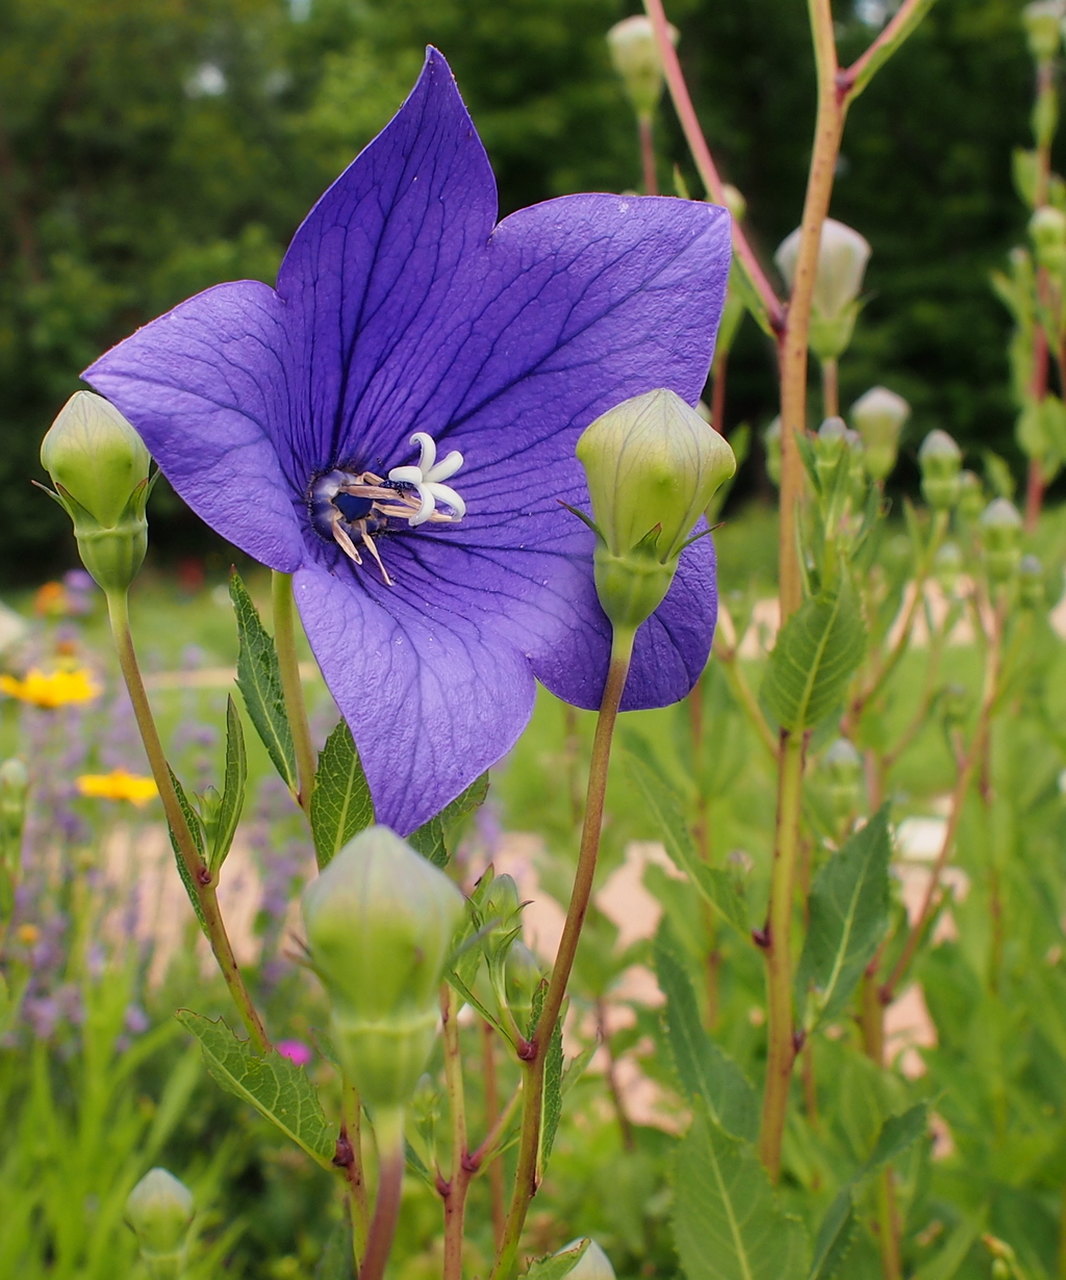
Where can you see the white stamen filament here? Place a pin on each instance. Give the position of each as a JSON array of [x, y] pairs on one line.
[[427, 480]]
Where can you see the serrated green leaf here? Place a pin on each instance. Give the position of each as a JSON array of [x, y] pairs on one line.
[[848, 909], [835, 1237], [817, 651], [259, 680], [340, 803], [234, 784], [702, 1068], [433, 838], [192, 821], [664, 807], [728, 1222], [553, 1095], [277, 1088], [558, 1265]]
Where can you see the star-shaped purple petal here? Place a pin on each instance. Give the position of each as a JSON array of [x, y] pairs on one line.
[[402, 308]]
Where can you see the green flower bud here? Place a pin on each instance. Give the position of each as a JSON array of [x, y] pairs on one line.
[[878, 416], [593, 1263], [524, 974], [1032, 589], [771, 440], [842, 258], [100, 468], [1043, 28], [733, 199], [947, 565], [940, 460], [653, 465], [1047, 228], [380, 921], [159, 1210], [971, 495], [1001, 538], [635, 56]]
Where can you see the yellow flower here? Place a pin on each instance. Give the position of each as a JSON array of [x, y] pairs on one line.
[[28, 934], [118, 785], [52, 688]]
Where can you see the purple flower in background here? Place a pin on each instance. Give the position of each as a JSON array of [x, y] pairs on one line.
[[295, 1050], [395, 426]]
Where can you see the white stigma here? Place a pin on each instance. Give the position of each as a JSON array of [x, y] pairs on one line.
[[427, 480]]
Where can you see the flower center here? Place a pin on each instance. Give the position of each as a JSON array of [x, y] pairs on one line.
[[350, 508]]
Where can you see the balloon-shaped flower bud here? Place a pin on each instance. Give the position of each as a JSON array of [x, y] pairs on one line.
[[1043, 28], [1047, 229], [830, 446], [380, 922], [878, 417], [653, 465], [971, 496], [593, 1264], [842, 258], [947, 566], [159, 1210], [635, 55], [100, 468], [1001, 538], [842, 770], [940, 460]]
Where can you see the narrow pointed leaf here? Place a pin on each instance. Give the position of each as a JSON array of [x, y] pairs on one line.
[[728, 1222], [259, 681], [233, 790], [340, 803], [703, 1070], [816, 654], [848, 917], [557, 1265], [192, 821], [434, 839], [664, 807], [277, 1088]]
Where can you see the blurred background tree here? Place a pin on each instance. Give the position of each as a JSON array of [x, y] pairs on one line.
[[150, 150]]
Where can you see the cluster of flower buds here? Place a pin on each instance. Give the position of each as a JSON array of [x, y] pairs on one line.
[[100, 468], [842, 258], [653, 466], [380, 923], [159, 1210], [635, 55], [1001, 540]]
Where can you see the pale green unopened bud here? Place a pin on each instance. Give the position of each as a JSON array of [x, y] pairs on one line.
[[1043, 28], [878, 416], [947, 566], [830, 446], [159, 1210], [1032, 589], [733, 199], [1047, 228], [100, 468], [653, 465], [380, 921], [1001, 538], [771, 439], [593, 1263], [940, 460], [635, 55], [842, 258]]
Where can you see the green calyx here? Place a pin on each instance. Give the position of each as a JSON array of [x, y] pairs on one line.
[[100, 468], [653, 465]]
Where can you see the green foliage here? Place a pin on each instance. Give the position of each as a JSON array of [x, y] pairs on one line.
[[341, 804], [558, 1265], [259, 681], [278, 1089]]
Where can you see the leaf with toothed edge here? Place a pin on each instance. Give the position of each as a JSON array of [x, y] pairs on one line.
[[341, 805]]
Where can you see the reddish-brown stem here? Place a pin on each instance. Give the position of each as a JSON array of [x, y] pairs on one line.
[[647, 155]]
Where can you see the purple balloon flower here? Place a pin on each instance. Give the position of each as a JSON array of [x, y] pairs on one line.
[[395, 424]]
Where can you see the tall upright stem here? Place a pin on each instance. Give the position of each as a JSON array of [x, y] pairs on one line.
[[647, 155], [535, 1055], [388, 1126], [291, 685], [198, 876]]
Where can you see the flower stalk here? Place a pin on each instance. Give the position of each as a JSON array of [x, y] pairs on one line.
[[535, 1052], [198, 875], [284, 609]]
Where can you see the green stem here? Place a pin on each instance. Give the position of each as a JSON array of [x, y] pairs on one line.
[[778, 942], [830, 388], [198, 876], [284, 608], [536, 1055], [647, 155], [454, 1190], [351, 1161], [388, 1126]]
